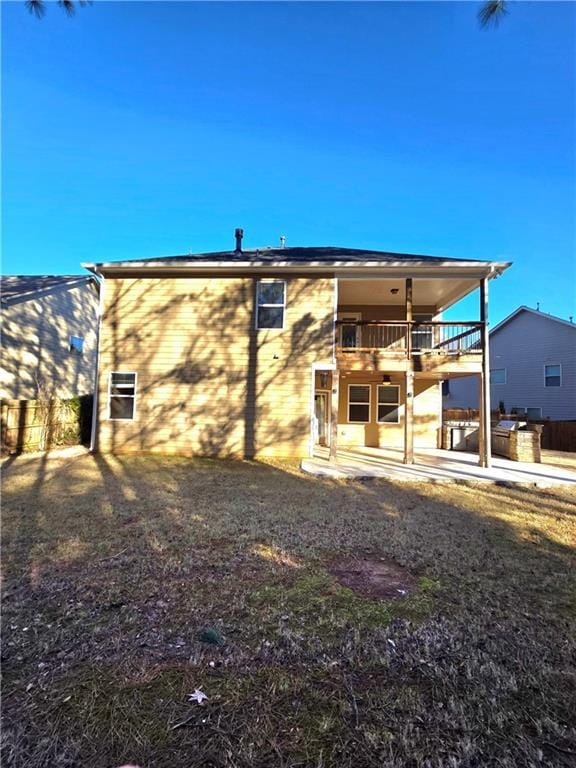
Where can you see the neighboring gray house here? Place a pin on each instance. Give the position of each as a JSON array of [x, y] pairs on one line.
[[532, 368], [49, 336]]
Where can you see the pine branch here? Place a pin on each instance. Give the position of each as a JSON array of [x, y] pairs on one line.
[[492, 12]]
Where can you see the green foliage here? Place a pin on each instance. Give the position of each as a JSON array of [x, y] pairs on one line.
[[210, 636]]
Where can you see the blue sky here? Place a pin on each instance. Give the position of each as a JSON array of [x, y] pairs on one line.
[[145, 129]]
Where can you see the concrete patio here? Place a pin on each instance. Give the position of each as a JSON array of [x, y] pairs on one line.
[[433, 465]]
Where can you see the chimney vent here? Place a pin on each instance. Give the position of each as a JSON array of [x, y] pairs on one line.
[[239, 234], [282, 241]]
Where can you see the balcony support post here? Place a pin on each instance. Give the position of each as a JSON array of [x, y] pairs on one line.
[[408, 299], [485, 436], [334, 399], [409, 415], [409, 382]]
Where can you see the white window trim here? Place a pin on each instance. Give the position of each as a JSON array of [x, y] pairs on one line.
[[283, 305], [369, 404], [397, 404], [549, 365], [499, 383], [524, 409], [130, 373]]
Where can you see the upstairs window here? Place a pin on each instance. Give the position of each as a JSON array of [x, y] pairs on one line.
[[498, 376], [271, 304], [122, 396], [76, 345], [388, 404], [359, 403], [552, 375]]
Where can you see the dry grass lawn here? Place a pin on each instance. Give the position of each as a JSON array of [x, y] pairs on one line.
[[130, 582], [562, 459]]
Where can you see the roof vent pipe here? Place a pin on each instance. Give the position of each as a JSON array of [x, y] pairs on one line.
[[239, 234], [282, 241]]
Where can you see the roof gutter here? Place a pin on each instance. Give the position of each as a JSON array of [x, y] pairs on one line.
[[343, 269]]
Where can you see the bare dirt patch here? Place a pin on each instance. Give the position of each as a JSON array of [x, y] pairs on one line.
[[373, 577]]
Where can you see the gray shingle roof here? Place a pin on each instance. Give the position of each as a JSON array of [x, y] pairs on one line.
[[20, 285], [326, 254]]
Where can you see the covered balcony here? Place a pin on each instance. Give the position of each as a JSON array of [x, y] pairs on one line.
[[383, 324], [393, 348], [432, 345]]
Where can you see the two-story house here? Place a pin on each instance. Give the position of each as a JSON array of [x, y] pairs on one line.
[[271, 352], [532, 368]]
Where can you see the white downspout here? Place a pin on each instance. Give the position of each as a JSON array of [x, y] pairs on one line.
[[93, 431]]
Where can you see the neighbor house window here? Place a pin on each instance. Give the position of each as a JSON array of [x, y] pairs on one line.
[[388, 404], [552, 375], [498, 376], [518, 410], [359, 403], [271, 304], [533, 412], [122, 395], [76, 344]]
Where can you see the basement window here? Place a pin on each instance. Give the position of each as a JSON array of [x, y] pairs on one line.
[[122, 396], [271, 304], [358, 403], [388, 404]]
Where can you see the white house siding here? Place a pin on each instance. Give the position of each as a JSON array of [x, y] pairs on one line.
[[36, 357], [523, 346]]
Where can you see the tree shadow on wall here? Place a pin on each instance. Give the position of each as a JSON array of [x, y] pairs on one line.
[[208, 381]]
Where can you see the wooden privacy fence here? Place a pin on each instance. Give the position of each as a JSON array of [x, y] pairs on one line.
[[559, 435], [37, 425]]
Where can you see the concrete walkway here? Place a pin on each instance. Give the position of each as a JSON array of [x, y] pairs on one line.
[[434, 465]]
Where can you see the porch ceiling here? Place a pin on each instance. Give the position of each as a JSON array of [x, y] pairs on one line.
[[437, 292]]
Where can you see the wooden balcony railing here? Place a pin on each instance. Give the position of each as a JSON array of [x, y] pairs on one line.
[[410, 338]]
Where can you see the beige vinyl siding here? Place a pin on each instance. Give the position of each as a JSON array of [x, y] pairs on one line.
[[427, 419], [209, 383], [36, 358]]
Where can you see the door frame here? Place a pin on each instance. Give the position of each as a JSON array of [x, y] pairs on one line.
[[319, 368], [326, 395]]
